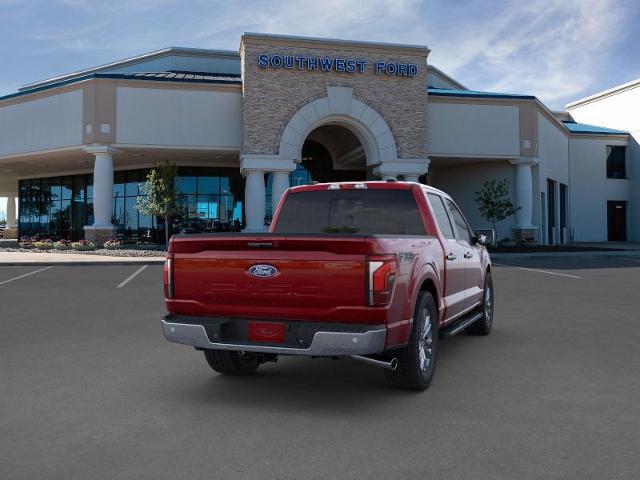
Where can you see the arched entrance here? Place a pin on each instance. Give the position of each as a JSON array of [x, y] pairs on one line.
[[332, 153]]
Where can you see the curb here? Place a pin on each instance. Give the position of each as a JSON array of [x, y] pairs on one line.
[[596, 254]]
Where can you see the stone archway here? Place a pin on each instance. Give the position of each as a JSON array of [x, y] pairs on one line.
[[340, 108]]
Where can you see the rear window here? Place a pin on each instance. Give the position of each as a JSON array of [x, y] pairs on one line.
[[361, 212]]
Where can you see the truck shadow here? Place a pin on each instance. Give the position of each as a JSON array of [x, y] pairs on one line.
[[318, 386]]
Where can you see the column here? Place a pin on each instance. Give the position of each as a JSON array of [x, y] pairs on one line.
[[279, 185], [409, 169], [102, 229], [524, 198], [254, 200], [11, 212], [103, 190]]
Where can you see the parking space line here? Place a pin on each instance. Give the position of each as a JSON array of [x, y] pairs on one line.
[[25, 275], [539, 271], [132, 276]]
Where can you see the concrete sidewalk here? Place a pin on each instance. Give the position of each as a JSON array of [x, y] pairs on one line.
[[33, 258]]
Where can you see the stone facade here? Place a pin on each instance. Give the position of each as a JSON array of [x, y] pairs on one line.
[[272, 96]]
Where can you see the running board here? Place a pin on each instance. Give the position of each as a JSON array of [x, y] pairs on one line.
[[460, 324]]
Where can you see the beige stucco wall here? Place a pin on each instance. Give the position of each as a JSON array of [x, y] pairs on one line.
[[272, 96]]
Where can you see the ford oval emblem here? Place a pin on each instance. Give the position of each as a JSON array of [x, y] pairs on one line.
[[263, 271]]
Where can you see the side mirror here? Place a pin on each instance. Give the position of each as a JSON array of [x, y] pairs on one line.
[[484, 237], [480, 240]]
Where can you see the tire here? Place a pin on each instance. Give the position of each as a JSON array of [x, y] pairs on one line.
[[483, 326], [232, 363], [417, 361]]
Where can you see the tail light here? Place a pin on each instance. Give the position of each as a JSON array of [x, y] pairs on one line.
[[168, 276], [382, 276]]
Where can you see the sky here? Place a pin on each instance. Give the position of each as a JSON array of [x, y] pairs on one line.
[[558, 50]]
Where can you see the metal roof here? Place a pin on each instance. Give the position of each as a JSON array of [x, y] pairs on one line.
[[131, 61], [445, 92], [176, 75], [186, 77], [575, 127]]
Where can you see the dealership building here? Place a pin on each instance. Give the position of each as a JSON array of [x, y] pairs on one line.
[[244, 126]]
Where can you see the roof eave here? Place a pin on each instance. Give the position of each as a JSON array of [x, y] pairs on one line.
[[603, 94]]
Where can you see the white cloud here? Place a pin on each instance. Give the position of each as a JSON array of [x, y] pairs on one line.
[[553, 49]]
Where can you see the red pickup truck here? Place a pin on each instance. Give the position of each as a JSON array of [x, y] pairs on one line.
[[374, 271]]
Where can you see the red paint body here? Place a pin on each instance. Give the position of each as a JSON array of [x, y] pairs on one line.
[[324, 277]]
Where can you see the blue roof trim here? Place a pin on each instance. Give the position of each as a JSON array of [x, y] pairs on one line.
[[226, 79], [575, 127], [445, 92]]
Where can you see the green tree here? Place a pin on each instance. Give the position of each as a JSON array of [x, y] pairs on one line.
[[160, 199], [494, 203]]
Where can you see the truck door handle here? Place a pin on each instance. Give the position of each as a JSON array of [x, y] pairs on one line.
[[468, 255], [451, 256]]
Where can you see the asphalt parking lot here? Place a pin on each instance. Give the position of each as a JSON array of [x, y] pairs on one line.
[[89, 389]]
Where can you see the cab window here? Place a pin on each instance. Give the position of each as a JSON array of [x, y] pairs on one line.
[[462, 229], [441, 215]]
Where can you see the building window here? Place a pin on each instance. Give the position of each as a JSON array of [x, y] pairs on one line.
[[208, 200], [616, 161]]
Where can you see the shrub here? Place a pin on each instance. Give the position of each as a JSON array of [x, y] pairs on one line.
[[43, 244], [83, 245], [26, 242], [62, 245], [112, 244]]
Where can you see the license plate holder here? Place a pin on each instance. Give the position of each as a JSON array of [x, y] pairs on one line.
[[266, 332]]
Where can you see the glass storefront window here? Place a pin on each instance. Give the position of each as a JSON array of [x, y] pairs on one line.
[[208, 200], [186, 185]]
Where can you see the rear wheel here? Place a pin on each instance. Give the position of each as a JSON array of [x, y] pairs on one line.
[[417, 362], [483, 326], [232, 363]]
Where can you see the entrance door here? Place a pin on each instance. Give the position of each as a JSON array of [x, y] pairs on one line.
[[543, 219], [551, 212], [617, 221]]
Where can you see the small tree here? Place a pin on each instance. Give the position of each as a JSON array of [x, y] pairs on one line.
[[160, 193], [494, 203]]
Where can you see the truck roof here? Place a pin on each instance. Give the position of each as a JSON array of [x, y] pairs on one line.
[[373, 184]]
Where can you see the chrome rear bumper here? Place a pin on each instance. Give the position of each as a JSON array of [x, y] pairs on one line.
[[324, 344]]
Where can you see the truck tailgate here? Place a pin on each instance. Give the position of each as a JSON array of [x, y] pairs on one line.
[[318, 278]]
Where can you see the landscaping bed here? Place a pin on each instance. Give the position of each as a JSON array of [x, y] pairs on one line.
[[122, 252], [112, 248]]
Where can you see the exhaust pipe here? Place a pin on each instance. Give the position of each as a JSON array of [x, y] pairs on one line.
[[391, 365]]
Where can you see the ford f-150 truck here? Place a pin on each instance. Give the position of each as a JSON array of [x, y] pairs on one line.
[[374, 271]]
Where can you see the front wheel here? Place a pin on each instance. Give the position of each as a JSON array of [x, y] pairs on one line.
[[232, 363], [483, 326], [417, 362]]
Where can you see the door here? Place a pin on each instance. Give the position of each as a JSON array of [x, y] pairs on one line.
[[474, 277], [617, 221], [551, 212], [455, 272], [543, 219]]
